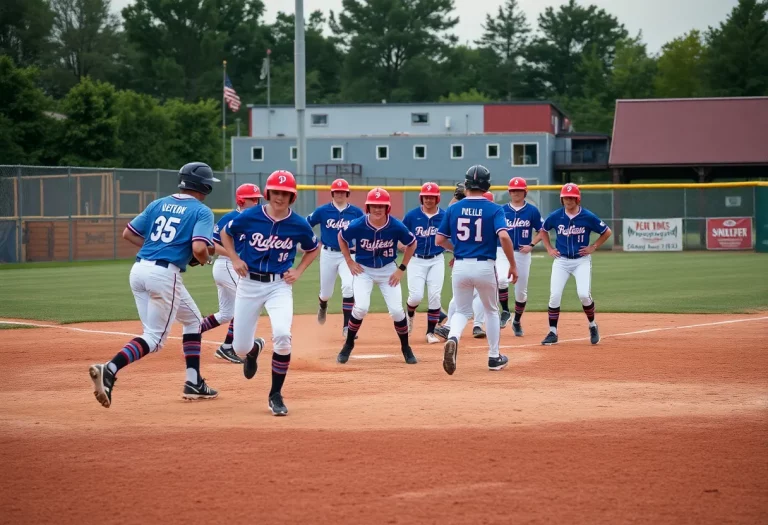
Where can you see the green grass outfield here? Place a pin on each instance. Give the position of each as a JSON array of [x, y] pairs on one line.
[[685, 282]]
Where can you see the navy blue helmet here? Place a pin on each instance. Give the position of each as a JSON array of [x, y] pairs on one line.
[[477, 178], [197, 176]]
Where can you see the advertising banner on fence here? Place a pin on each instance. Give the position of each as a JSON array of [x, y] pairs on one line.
[[729, 233], [653, 235]]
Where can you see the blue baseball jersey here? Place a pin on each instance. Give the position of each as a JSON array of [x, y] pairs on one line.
[[222, 224], [377, 247], [332, 220], [425, 229], [473, 225], [573, 233], [170, 225], [270, 245], [521, 223]]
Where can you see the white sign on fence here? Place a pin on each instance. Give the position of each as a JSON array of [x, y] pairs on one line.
[[653, 235]]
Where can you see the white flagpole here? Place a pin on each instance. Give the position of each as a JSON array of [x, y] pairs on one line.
[[223, 119]]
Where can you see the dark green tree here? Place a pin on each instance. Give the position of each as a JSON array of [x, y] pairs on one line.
[[25, 26], [143, 130], [680, 71], [195, 133]]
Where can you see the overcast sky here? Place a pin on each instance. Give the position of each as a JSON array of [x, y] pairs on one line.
[[659, 20]]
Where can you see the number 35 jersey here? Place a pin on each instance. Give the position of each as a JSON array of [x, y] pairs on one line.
[[170, 225], [473, 224], [377, 247]]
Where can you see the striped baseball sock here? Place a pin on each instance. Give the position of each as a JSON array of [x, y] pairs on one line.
[[504, 298], [554, 316], [443, 315], [519, 309], [411, 309], [191, 347], [590, 311], [401, 327], [230, 333], [280, 364], [354, 326], [323, 304], [433, 317], [346, 307], [208, 323], [134, 350]]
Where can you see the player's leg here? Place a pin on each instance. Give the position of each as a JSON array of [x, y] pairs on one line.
[[560, 274], [463, 290], [417, 278], [393, 297], [583, 275], [487, 290], [280, 309], [347, 291], [478, 312], [523, 263], [445, 329], [435, 278], [191, 319], [249, 301], [226, 285], [328, 267], [363, 286], [502, 271]]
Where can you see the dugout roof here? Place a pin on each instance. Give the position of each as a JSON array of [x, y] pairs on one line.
[[690, 132]]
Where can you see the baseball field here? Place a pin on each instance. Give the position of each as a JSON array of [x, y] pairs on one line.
[[665, 421]]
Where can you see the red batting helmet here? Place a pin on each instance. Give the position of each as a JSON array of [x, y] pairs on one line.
[[281, 180], [488, 195], [570, 190], [517, 183], [340, 185], [429, 189], [378, 196], [246, 191]]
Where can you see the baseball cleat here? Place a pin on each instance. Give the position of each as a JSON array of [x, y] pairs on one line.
[[432, 338], [343, 356], [345, 331], [517, 328], [409, 357], [451, 350], [103, 382], [276, 405], [250, 364], [551, 339], [594, 335], [498, 363], [410, 323], [443, 318], [321, 311], [505, 317], [228, 354], [198, 391], [478, 333], [442, 331]]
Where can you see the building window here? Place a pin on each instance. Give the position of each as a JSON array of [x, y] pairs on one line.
[[337, 152], [319, 119], [294, 152], [419, 118], [491, 151], [420, 152], [525, 154], [382, 152], [257, 154], [457, 151]]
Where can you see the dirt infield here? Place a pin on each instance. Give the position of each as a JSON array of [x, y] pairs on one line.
[[664, 422]]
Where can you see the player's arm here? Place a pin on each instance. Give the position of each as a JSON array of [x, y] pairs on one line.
[[220, 250], [355, 268], [500, 225], [443, 236], [133, 237], [241, 268], [598, 243], [200, 251], [132, 231]]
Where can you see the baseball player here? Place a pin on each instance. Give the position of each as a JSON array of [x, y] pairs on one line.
[[170, 231], [573, 256], [523, 219], [272, 233], [428, 264], [225, 277], [332, 218], [470, 230], [376, 236]]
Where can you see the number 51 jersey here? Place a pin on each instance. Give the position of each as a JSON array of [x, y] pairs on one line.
[[170, 225], [473, 224]]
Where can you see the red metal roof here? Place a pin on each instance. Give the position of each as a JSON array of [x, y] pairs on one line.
[[697, 132]]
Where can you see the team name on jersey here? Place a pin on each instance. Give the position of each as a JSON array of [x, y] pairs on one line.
[[425, 232], [174, 208], [518, 223], [365, 244], [472, 212], [571, 230], [341, 224], [272, 242]]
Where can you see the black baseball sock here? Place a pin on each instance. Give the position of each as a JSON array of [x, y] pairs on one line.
[[280, 364], [519, 309], [354, 326], [134, 350], [401, 327], [504, 298], [433, 317], [346, 308]]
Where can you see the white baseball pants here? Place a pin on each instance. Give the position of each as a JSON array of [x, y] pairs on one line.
[[251, 297], [523, 263], [333, 264], [226, 280], [430, 272], [468, 275], [363, 286], [562, 269]]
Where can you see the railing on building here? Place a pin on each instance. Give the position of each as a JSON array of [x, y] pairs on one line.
[[581, 159], [338, 169]]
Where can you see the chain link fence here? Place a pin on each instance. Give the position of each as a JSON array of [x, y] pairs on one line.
[[74, 213]]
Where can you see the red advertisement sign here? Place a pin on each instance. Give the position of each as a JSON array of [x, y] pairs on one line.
[[730, 233]]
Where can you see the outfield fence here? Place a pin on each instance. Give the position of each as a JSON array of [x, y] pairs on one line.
[[78, 213]]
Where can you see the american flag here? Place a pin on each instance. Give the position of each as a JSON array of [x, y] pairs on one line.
[[230, 96]]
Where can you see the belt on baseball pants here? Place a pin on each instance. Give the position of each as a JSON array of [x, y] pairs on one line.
[[265, 277], [473, 258], [425, 257], [573, 256], [160, 262], [326, 247]]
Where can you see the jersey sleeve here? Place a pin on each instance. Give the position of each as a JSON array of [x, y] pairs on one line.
[[548, 223], [139, 223], [445, 225], [404, 235], [234, 227], [203, 230], [307, 238], [536, 220], [499, 220], [350, 232], [408, 221], [314, 218], [596, 225]]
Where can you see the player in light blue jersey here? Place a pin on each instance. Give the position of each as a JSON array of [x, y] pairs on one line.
[[470, 229], [573, 256], [172, 232], [265, 264]]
